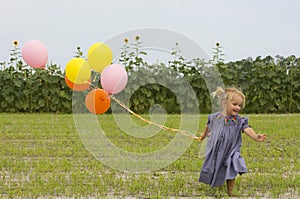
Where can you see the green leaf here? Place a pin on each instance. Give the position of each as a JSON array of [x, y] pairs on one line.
[[41, 102]]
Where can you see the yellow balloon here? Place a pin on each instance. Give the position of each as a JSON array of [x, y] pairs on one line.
[[78, 71], [99, 56]]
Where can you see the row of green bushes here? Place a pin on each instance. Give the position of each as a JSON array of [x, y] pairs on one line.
[[271, 85], [31, 90]]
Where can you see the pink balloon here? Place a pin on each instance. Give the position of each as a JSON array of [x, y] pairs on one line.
[[35, 54], [114, 78]]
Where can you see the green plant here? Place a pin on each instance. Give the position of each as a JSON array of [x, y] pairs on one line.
[[132, 54], [271, 85], [78, 53]]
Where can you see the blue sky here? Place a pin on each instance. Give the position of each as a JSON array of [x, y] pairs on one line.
[[246, 28]]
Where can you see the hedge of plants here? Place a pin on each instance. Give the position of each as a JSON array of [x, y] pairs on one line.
[[271, 84]]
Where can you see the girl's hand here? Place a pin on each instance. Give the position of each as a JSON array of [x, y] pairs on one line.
[[261, 137], [202, 136]]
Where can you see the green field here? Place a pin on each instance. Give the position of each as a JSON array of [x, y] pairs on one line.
[[42, 156]]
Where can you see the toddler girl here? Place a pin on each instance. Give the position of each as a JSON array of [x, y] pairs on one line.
[[223, 131]]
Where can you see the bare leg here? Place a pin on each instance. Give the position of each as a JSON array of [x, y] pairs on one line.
[[230, 185]]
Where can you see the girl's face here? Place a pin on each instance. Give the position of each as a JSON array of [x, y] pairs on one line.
[[234, 106]]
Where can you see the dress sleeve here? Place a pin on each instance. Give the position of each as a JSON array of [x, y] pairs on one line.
[[244, 123], [209, 121]]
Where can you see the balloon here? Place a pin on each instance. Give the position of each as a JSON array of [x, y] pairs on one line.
[[97, 101], [77, 87], [114, 78], [78, 71], [99, 56], [35, 54]]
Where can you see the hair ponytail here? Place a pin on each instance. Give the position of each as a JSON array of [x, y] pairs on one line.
[[219, 92]]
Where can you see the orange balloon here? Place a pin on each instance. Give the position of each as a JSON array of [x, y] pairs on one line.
[[97, 101], [77, 87]]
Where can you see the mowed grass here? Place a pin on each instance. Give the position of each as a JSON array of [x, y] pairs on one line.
[[42, 156]]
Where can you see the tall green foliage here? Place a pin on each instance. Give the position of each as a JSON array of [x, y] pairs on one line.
[[36, 90], [271, 85]]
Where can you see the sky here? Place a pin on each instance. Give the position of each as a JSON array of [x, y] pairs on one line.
[[244, 28]]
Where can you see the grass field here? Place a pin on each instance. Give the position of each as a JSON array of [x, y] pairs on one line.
[[42, 156]]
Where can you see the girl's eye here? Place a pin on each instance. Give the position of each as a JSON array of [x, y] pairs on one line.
[[235, 104]]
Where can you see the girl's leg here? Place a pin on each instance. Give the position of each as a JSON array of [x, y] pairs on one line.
[[230, 185]]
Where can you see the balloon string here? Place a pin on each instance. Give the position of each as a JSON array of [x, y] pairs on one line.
[[183, 132], [165, 128]]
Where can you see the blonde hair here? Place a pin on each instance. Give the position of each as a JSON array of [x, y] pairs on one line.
[[227, 94]]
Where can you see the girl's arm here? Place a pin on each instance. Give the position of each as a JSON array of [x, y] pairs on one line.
[[257, 137], [203, 135]]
